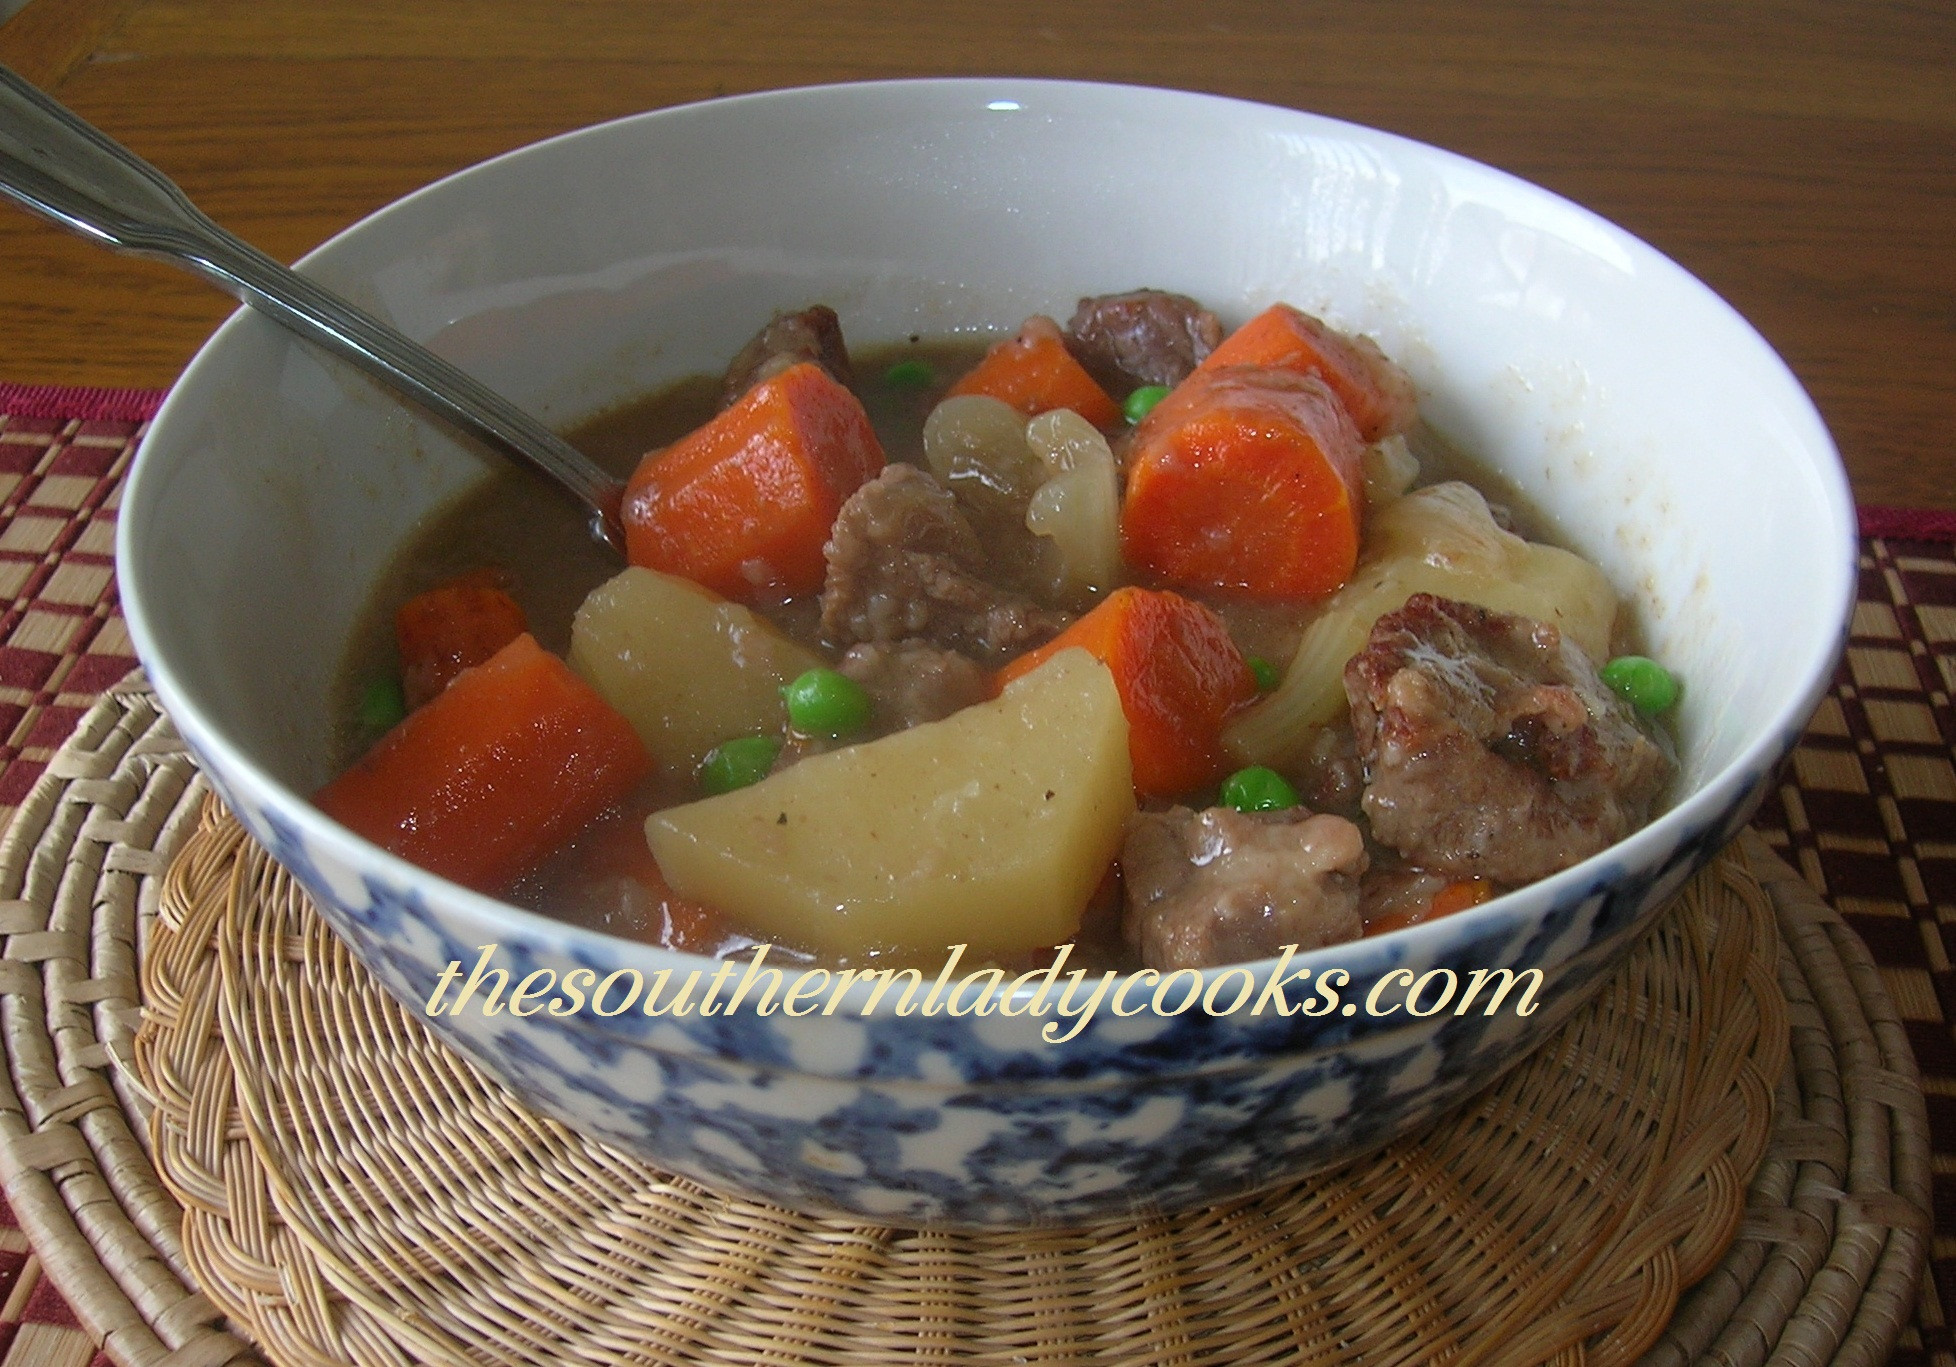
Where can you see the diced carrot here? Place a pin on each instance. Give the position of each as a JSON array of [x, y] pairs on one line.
[[1394, 920], [1460, 895], [1245, 479], [1035, 373], [508, 762], [450, 628], [616, 849], [1378, 394], [1456, 896], [743, 504], [1179, 676], [685, 925]]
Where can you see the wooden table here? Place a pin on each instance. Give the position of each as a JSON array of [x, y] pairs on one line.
[[1799, 157]]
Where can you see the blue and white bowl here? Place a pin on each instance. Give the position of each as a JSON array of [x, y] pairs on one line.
[[1620, 396]]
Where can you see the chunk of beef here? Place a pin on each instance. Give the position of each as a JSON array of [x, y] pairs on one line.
[[1331, 776], [1222, 886], [814, 334], [903, 562], [913, 682], [1491, 747], [1145, 337]]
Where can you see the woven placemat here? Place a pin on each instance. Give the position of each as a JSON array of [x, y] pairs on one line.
[[352, 1192], [81, 868]]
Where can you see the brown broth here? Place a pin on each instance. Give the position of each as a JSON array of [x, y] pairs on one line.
[[513, 521]]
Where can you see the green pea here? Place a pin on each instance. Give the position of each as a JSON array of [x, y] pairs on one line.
[[910, 375], [1643, 683], [1267, 675], [382, 705], [825, 703], [1257, 789], [1142, 400], [738, 763]]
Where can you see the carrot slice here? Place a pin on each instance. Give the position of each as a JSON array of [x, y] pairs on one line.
[[508, 762], [1035, 373], [1179, 676], [1248, 480], [1378, 394], [743, 504], [1455, 896], [615, 850], [1460, 895], [450, 628]]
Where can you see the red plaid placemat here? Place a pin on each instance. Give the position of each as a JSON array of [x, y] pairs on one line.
[[62, 641], [1866, 808], [63, 453]]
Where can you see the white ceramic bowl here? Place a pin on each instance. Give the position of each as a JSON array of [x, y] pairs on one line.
[[1661, 433]]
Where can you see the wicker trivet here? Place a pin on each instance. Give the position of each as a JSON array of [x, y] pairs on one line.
[[352, 1192]]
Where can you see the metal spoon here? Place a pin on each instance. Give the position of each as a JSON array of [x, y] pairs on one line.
[[65, 169]]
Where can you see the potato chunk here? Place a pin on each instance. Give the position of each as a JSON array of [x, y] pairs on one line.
[[688, 668], [989, 829]]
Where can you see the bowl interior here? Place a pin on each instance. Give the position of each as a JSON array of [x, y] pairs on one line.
[[1645, 417]]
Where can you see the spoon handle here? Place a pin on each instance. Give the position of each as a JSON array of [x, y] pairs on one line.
[[63, 168]]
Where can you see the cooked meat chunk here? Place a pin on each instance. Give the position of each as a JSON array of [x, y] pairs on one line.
[[1332, 776], [814, 334], [1145, 337], [913, 682], [1222, 886], [1491, 747], [903, 562]]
